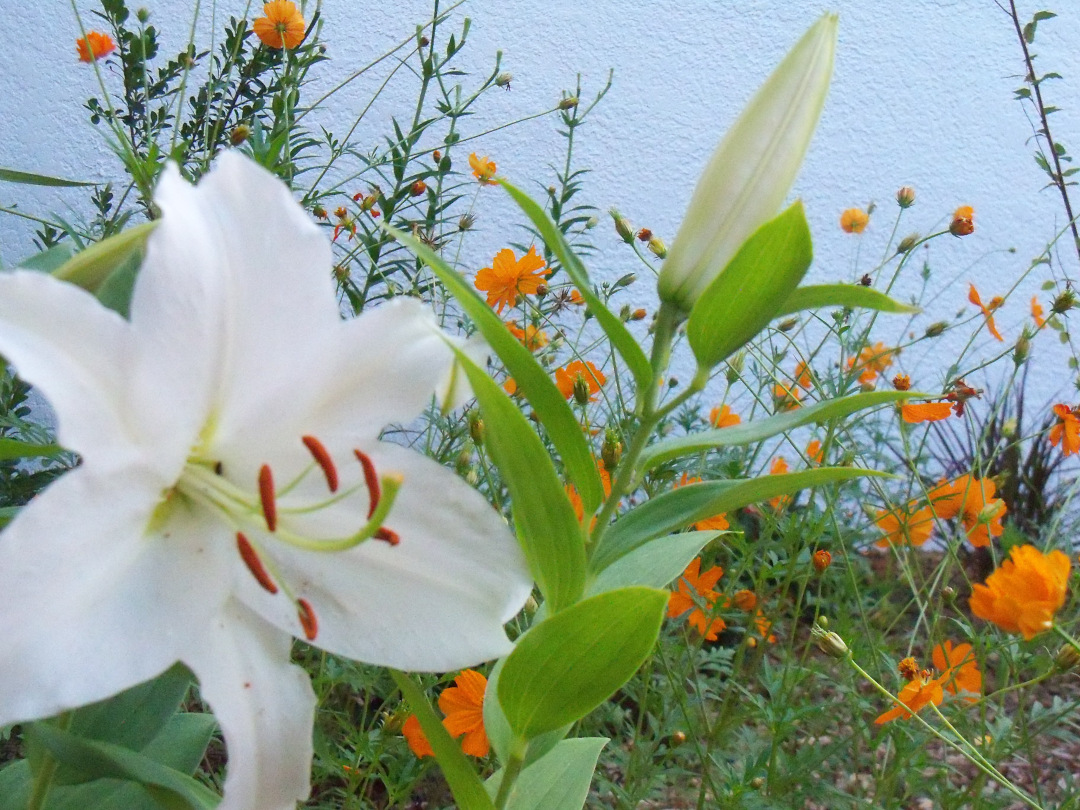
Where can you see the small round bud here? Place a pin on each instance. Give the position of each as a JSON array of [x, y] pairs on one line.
[[948, 593], [658, 248], [568, 103], [624, 313], [418, 188], [319, 212], [541, 290], [463, 461], [905, 197], [436, 156], [907, 243], [678, 737], [623, 227], [821, 560], [935, 329], [963, 222], [644, 235], [673, 382], [830, 643], [504, 79], [581, 390], [1067, 658], [758, 782], [788, 325], [612, 450], [143, 14], [592, 222], [638, 315], [240, 133], [476, 428], [822, 621]]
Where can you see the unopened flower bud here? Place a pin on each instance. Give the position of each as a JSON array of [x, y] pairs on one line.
[[341, 273], [624, 313], [623, 227], [504, 79], [611, 452], [424, 42], [592, 222], [436, 156], [758, 782], [788, 325], [638, 315], [658, 248], [935, 329], [905, 197], [240, 133], [822, 560], [1023, 349], [644, 235], [463, 462], [1064, 302], [829, 643], [963, 222], [678, 737], [948, 593], [476, 428], [581, 390], [673, 382], [418, 188], [1067, 658], [143, 14], [466, 222], [907, 243], [568, 103], [319, 212]]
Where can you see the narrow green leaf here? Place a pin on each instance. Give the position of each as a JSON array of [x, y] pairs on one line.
[[818, 296], [612, 325], [680, 507], [750, 291], [468, 790], [106, 760], [760, 429], [559, 781], [48, 260], [653, 565], [548, 529], [532, 380], [569, 664], [89, 268], [31, 179], [13, 448]]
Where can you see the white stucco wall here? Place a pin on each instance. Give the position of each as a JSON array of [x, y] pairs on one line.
[[922, 95]]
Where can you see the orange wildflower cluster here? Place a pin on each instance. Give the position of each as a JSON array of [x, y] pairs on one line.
[[282, 27], [959, 673], [1067, 430], [854, 220], [1037, 313], [988, 310], [1023, 595], [463, 705], [972, 500], [581, 375], [963, 221], [531, 337], [722, 416], [508, 277], [716, 522], [95, 46], [695, 594], [872, 360], [483, 169]]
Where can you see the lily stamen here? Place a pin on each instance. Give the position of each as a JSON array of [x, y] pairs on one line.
[[390, 485], [322, 458], [266, 497], [254, 563], [371, 478], [308, 620], [388, 535]]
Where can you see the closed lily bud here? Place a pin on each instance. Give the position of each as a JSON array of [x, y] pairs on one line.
[[749, 176]]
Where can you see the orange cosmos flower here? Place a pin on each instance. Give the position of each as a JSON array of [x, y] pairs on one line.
[[901, 382], [854, 220], [963, 221], [1024, 593], [695, 588], [716, 522], [96, 46], [509, 277], [463, 705], [972, 499], [483, 169], [905, 525], [821, 560], [1067, 430], [531, 337], [919, 693], [913, 414], [575, 498], [803, 375], [582, 374], [779, 467], [575, 298], [1037, 312], [814, 452], [722, 417], [960, 670], [786, 396], [744, 600], [282, 27], [987, 310], [872, 360]]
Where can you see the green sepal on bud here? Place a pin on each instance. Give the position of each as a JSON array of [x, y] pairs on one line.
[[829, 642], [623, 227], [476, 428], [611, 452]]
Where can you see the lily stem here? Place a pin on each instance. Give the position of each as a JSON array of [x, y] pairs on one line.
[[46, 772], [510, 775]]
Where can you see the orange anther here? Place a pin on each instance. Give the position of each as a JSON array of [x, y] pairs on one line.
[[322, 458], [371, 479], [266, 496], [307, 619], [389, 535], [254, 564]]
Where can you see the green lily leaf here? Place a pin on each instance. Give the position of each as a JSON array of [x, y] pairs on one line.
[[819, 296]]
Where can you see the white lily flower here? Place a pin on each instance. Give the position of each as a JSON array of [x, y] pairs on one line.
[[233, 492], [751, 172]]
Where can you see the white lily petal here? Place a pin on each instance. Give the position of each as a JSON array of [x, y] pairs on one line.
[[92, 607], [177, 322], [377, 369], [751, 172], [264, 705], [437, 601], [61, 339]]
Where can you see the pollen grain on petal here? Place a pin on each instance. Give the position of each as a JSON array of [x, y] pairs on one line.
[[266, 497], [322, 458], [254, 564]]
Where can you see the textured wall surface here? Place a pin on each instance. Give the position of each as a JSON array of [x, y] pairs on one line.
[[922, 95]]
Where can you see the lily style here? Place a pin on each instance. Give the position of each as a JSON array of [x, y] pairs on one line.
[[232, 492]]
